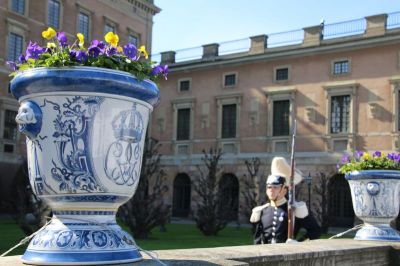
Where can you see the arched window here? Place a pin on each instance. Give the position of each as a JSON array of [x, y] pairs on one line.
[[340, 206], [181, 197], [229, 189]]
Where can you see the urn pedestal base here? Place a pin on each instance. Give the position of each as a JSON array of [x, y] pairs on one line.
[[82, 238], [380, 232]]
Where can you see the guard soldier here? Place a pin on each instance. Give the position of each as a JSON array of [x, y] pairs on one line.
[[272, 218]]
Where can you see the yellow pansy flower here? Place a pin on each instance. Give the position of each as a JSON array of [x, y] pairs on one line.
[[49, 34], [112, 38], [142, 50], [366, 155], [119, 49], [383, 154], [51, 45], [81, 39]]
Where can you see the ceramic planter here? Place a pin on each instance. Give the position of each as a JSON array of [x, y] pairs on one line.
[[85, 132], [376, 200]]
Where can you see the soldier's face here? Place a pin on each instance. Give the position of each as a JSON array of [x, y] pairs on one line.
[[275, 192]]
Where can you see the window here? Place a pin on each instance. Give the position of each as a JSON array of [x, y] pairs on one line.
[[133, 40], [341, 67], [183, 125], [282, 74], [229, 80], [228, 121], [83, 24], [10, 126], [281, 116], [108, 27], [14, 46], [340, 114], [184, 85], [53, 16], [18, 6]]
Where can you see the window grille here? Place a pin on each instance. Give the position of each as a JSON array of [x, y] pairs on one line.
[[230, 80], [10, 126], [54, 14], [183, 126], [83, 24], [18, 6], [14, 46], [341, 67], [282, 74], [281, 115], [340, 113], [229, 121]]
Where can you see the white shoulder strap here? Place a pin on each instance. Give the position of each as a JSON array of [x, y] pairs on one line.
[[256, 213]]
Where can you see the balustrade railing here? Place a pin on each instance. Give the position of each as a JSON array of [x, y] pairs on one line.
[[285, 38], [329, 31], [345, 28], [393, 20]]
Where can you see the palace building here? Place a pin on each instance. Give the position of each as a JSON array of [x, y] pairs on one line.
[[340, 82]]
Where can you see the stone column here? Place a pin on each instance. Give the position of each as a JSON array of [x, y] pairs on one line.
[[168, 57], [258, 44], [210, 51], [312, 36], [376, 25]]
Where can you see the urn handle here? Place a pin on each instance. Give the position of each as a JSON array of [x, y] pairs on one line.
[[29, 119]]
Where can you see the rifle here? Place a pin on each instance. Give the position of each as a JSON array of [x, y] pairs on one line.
[[291, 191]]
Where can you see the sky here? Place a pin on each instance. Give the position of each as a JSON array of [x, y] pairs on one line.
[[185, 24]]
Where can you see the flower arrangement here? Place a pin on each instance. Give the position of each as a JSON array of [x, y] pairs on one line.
[[364, 161], [108, 54]]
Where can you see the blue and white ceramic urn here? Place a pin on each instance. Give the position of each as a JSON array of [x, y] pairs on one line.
[[85, 130], [376, 200]]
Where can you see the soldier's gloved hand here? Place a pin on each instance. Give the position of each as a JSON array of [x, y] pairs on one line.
[[300, 209]]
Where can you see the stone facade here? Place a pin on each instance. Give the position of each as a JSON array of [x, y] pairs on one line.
[[342, 91], [128, 18]]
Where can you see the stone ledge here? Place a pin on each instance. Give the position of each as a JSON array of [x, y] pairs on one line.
[[317, 252]]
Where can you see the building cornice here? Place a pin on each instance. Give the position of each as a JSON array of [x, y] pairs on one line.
[[294, 51]]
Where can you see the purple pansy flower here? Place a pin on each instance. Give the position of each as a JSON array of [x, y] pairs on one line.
[[359, 154], [21, 59], [111, 51], [33, 50], [100, 44], [72, 54], [130, 51], [94, 51], [377, 154], [345, 158], [62, 38], [81, 56], [12, 65], [158, 70]]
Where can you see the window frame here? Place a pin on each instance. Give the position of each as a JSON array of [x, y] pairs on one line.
[[60, 15], [88, 14], [18, 28], [276, 68], [227, 99], [339, 89], [26, 8], [340, 60], [183, 103], [111, 23], [279, 94], [182, 80], [8, 46], [224, 75], [395, 86]]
